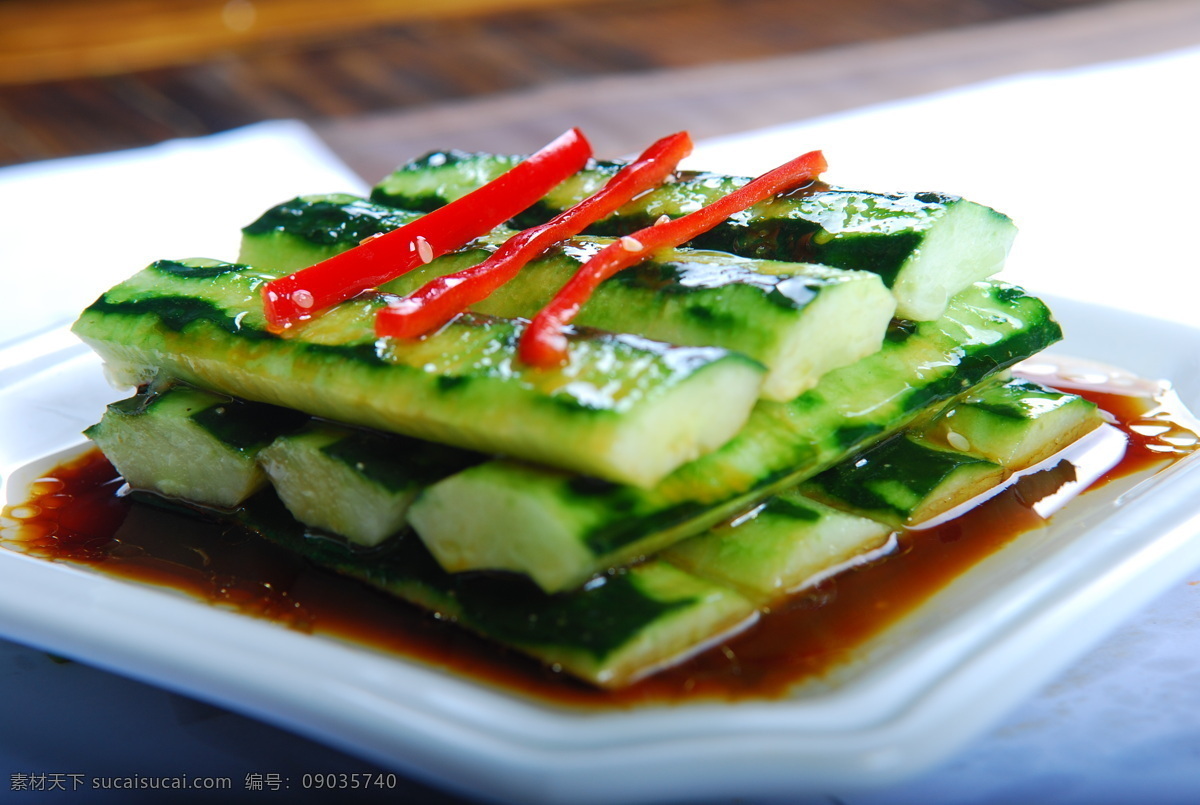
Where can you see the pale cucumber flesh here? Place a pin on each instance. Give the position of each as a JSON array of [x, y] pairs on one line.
[[624, 407], [190, 444], [352, 482]]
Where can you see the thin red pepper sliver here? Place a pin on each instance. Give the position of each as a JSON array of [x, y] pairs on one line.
[[543, 343], [441, 299], [298, 296]]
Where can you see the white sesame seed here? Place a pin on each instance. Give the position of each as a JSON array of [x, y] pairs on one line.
[[957, 440], [631, 244], [303, 299], [662, 219], [370, 238], [424, 250]]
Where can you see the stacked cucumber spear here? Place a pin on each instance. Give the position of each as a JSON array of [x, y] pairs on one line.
[[602, 413]]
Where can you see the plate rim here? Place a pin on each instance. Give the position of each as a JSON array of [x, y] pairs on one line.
[[521, 750]]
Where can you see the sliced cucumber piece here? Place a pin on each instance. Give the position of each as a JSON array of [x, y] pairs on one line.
[[780, 546], [624, 408], [799, 320], [904, 481], [620, 628], [926, 246], [355, 483], [309, 229], [626, 624], [190, 444], [440, 177], [1020, 423], [561, 529], [1016, 424]]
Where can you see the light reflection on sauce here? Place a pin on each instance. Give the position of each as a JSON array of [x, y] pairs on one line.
[[75, 515]]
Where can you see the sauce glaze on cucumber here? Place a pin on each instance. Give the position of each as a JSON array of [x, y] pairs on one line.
[[926, 246], [74, 515], [626, 408], [798, 319]]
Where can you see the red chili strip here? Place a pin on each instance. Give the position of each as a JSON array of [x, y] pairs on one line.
[[298, 296], [543, 343], [441, 299]]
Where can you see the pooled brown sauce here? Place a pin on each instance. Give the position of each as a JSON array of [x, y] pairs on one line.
[[75, 515]]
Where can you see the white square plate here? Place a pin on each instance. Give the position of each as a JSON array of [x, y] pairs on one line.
[[918, 693]]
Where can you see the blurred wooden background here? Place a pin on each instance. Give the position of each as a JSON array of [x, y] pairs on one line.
[[84, 76]]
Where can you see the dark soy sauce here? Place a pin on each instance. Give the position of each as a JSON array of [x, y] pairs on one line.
[[76, 515]]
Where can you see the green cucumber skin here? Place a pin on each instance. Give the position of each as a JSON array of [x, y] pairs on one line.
[[819, 224], [241, 426], [599, 634], [1017, 423], [352, 482], [333, 220], [399, 463], [894, 480], [703, 280], [601, 525], [781, 546], [203, 323], [688, 297], [309, 229], [751, 552], [1022, 401], [212, 442], [248, 427]]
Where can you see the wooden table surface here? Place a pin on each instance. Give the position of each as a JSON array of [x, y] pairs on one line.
[[622, 112], [381, 90]]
